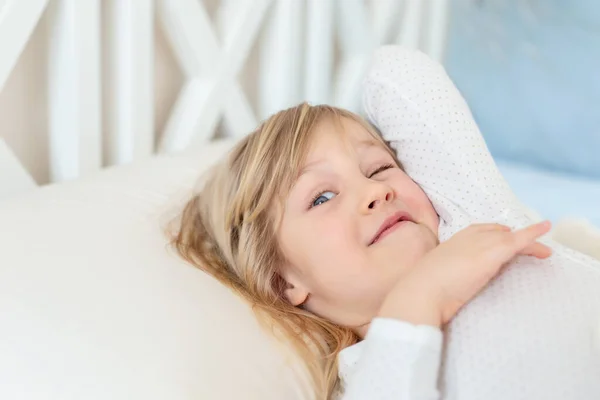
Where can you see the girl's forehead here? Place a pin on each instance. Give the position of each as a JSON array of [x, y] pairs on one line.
[[341, 132]]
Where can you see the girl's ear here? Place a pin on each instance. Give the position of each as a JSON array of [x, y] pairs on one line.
[[295, 291], [295, 294]]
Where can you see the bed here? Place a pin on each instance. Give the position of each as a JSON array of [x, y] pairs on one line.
[[91, 304], [554, 195]]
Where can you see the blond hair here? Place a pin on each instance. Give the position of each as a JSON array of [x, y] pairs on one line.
[[229, 230]]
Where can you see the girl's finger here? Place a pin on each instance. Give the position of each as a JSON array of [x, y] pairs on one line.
[[524, 237], [493, 227], [537, 250]]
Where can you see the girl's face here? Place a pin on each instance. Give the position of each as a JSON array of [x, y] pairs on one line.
[[341, 261]]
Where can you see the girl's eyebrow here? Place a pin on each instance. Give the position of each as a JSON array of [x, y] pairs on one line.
[[368, 143], [309, 166]]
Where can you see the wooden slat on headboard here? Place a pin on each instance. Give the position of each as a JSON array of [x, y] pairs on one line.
[[307, 50], [75, 124]]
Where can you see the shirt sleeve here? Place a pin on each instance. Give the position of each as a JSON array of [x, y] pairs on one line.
[[419, 111], [398, 361]]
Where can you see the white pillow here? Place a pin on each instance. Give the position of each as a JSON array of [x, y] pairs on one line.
[[93, 304]]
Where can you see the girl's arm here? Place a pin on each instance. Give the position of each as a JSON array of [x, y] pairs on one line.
[[417, 108], [396, 361], [400, 356], [399, 359]]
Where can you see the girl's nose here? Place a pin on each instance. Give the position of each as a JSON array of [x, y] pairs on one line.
[[377, 195]]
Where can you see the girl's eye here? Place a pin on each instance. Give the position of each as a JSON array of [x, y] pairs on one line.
[[380, 169], [321, 198]]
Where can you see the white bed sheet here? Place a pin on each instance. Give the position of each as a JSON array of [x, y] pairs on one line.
[[554, 195]]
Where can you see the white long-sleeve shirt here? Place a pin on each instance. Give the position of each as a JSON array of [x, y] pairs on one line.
[[534, 332], [409, 356]]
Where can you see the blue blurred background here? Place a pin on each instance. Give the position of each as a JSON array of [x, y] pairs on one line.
[[530, 71]]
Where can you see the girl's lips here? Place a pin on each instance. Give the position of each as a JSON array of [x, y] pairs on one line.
[[390, 230], [390, 224]]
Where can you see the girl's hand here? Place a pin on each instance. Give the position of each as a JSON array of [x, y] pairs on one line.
[[453, 273]]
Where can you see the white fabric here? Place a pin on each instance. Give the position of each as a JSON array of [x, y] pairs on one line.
[[94, 306], [578, 234], [532, 333]]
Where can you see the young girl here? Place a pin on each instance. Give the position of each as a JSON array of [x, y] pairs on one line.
[[335, 239]]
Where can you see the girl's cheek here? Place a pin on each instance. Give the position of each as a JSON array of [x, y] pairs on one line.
[[414, 199], [413, 195]]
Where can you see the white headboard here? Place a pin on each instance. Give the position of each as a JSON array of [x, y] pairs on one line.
[[314, 50]]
